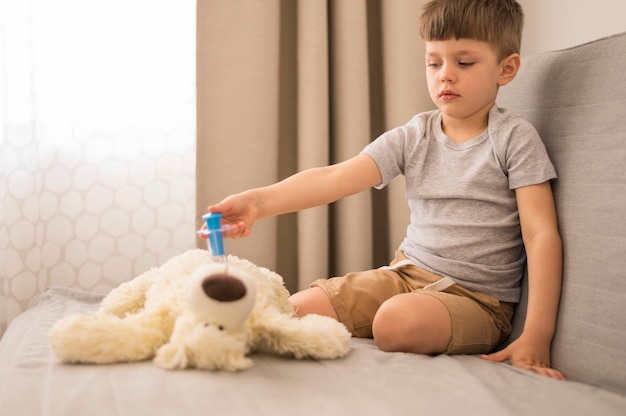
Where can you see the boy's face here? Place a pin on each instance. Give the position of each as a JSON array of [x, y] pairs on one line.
[[463, 79]]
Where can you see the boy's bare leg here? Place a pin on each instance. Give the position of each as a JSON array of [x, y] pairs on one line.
[[412, 322], [312, 300]]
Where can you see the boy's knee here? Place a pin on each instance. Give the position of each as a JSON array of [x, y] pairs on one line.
[[388, 327], [406, 324]]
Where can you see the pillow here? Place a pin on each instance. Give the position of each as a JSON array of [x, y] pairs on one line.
[[576, 98]]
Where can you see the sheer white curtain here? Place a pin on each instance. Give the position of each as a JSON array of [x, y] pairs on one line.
[[97, 142]]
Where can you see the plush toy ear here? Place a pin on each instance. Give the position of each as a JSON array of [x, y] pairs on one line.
[[229, 355], [171, 357], [173, 354], [237, 363]]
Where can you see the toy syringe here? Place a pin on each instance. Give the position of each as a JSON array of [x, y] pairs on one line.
[[214, 235]]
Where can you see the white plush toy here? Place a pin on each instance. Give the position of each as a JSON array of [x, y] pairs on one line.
[[196, 312]]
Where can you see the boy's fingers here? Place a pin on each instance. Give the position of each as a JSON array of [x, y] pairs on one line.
[[496, 356]]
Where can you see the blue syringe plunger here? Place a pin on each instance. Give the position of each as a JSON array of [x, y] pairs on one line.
[[214, 232]]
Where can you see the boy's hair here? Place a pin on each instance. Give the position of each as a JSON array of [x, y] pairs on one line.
[[497, 22]]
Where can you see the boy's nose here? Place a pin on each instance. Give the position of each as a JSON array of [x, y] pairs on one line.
[[446, 74]]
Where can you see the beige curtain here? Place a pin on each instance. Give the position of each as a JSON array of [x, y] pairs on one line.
[[285, 85]]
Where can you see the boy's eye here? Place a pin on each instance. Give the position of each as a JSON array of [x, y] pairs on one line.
[[433, 64], [466, 63]]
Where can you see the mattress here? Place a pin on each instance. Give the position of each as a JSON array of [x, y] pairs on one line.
[[365, 382]]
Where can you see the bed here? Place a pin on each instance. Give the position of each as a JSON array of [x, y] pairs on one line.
[[577, 100], [366, 381]]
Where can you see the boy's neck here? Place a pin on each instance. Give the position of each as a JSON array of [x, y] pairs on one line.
[[462, 130]]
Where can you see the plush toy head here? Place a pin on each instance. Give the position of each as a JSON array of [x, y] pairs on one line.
[[193, 312], [213, 336]]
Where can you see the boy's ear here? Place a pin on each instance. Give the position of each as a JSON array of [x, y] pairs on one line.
[[509, 67]]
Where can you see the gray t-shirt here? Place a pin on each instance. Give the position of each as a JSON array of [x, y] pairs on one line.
[[464, 218]]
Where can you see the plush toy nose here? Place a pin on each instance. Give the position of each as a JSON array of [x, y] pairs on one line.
[[221, 294], [223, 288]]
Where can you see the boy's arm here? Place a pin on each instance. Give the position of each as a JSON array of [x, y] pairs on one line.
[[306, 189], [318, 186], [545, 258]]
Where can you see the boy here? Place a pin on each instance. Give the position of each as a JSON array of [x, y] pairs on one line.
[[478, 186]]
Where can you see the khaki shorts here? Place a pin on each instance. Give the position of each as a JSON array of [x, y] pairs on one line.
[[479, 322]]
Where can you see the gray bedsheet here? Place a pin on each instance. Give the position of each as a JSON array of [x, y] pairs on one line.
[[366, 382]]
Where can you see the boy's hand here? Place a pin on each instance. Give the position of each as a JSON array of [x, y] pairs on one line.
[[527, 354], [238, 212]]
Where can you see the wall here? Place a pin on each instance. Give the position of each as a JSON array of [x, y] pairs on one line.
[[558, 24]]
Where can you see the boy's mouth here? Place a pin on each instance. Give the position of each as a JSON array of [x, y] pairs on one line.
[[448, 95]]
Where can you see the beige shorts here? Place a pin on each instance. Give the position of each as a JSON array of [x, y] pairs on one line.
[[479, 322]]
